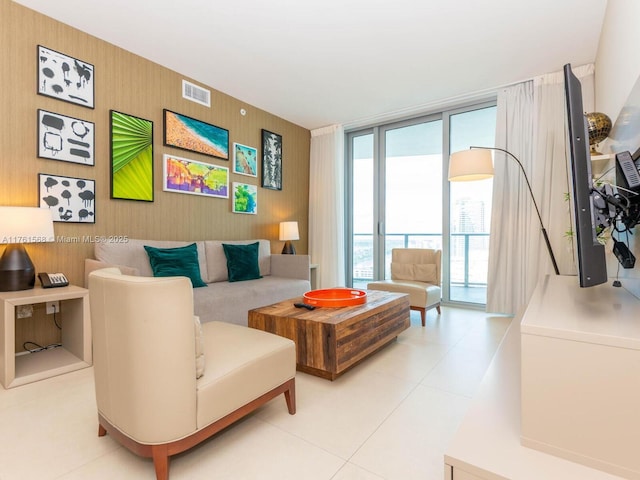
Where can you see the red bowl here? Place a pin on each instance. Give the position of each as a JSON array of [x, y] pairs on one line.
[[335, 297]]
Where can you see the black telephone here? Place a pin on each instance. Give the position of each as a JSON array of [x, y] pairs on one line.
[[50, 280]]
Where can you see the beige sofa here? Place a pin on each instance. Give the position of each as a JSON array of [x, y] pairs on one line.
[[283, 276], [165, 383]]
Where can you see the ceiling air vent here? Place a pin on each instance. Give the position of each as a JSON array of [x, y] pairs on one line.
[[196, 94]]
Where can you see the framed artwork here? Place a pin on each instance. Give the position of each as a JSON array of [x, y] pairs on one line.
[[182, 175], [65, 78], [245, 198], [65, 138], [131, 157], [71, 200], [194, 135], [245, 160], [271, 160]]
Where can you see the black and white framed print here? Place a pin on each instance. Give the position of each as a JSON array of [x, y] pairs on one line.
[[271, 160], [65, 138], [71, 200], [65, 78]]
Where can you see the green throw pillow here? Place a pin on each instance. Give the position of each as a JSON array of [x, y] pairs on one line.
[[176, 262], [242, 261]]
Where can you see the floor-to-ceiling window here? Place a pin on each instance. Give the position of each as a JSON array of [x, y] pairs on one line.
[[362, 215], [399, 197], [470, 210], [412, 187]]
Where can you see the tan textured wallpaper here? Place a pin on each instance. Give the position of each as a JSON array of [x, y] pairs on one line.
[[135, 86]]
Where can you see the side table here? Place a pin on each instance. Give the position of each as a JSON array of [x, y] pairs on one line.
[[75, 352]]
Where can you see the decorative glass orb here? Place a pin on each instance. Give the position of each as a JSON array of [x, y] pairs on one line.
[[599, 127]]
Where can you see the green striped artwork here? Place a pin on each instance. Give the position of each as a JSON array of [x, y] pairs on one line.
[[131, 157]]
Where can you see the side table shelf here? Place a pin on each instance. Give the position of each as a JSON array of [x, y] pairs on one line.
[[75, 352]]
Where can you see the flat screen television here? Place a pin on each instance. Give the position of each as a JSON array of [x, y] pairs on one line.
[[592, 265]]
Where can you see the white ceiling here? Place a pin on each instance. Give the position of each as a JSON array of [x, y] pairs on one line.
[[320, 62]]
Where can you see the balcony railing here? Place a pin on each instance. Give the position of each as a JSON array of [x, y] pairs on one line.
[[468, 253]]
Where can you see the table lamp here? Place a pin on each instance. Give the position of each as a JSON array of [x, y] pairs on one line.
[[476, 164], [20, 225], [288, 232]]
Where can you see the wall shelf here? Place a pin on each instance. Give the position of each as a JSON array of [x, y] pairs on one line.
[[603, 158], [600, 162]]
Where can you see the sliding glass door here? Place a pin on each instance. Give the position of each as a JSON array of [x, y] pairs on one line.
[[399, 196], [470, 210], [362, 214], [396, 201], [410, 195]]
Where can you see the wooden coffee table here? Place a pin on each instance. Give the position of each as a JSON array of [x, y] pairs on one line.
[[331, 340]]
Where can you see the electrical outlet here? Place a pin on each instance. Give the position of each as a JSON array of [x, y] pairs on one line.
[[24, 311], [53, 307]]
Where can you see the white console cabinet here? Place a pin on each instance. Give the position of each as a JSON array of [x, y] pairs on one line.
[[561, 399], [581, 375]]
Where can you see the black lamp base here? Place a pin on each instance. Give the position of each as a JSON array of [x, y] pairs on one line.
[[288, 248], [16, 269]]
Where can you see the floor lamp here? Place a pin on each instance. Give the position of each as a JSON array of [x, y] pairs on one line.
[[476, 164]]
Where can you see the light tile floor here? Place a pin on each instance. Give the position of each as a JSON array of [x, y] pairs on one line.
[[390, 417]]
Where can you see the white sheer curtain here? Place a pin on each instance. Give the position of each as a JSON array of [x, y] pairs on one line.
[[326, 205], [531, 125], [513, 258]]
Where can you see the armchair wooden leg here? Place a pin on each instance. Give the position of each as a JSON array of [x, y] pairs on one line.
[[438, 309], [423, 314], [161, 461], [161, 452], [290, 397]]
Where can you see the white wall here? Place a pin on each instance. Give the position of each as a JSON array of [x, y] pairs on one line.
[[618, 95], [618, 57]]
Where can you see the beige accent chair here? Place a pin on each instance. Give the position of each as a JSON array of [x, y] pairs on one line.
[[148, 350], [415, 271]]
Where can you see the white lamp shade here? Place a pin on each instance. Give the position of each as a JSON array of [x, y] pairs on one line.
[[289, 231], [26, 225], [472, 164]]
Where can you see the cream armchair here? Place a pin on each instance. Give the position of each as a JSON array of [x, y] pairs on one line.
[[415, 271], [148, 351]]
